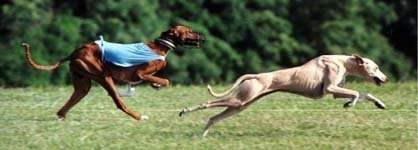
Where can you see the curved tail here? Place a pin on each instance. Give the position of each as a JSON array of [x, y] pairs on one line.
[[36, 65], [237, 82]]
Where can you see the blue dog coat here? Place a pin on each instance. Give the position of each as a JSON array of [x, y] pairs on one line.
[[127, 55]]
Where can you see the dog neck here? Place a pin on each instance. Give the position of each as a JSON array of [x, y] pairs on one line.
[[166, 42], [351, 66], [161, 46], [158, 48]]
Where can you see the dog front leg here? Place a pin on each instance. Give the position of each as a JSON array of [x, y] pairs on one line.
[[155, 81], [148, 72], [339, 92], [376, 101], [108, 84], [217, 118], [334, 76]]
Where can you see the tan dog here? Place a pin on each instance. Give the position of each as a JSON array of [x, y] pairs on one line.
[[87, 64], [318, 77]]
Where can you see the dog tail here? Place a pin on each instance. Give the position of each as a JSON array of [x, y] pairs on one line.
[[236, 84], [38, 66]]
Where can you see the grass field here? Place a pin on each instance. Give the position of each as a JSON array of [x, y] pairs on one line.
[[278, 121]]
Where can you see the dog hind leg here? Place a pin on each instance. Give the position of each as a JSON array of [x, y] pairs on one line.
[[223, 102], [215, 119], [82, 86], [250, 97]]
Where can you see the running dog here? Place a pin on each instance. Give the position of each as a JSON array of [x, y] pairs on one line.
[[105, 62], [316, 78]]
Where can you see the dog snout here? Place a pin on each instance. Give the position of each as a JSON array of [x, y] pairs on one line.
[[379, 80], [200, 36], [197, 36], [385, 79]]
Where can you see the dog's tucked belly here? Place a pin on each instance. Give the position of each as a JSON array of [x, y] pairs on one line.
[[313, 91], [124, 74], [306, 80]]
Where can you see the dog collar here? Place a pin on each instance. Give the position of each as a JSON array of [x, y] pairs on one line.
[[166, 42]]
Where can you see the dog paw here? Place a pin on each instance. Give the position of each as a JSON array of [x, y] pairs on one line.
[[61, 119], [183, 112], [348, 104], [144, 117], [156, 86], [380, 105]]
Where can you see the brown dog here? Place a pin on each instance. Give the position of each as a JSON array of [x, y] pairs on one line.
[[86, 64]]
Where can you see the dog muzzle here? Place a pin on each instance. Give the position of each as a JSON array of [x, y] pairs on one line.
[[194, 43]]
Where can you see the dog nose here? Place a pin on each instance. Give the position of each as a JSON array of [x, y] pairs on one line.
[[200, 36], [385, 80]]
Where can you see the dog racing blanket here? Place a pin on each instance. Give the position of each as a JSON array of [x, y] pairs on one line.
[[127, 55]]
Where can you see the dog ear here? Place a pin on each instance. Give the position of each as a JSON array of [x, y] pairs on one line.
[[358, 59]]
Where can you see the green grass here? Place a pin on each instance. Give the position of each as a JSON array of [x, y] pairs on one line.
[[277, 121]]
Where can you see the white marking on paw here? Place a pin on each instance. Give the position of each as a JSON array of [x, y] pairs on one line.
[[144, 117]]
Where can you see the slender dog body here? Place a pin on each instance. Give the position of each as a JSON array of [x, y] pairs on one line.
[[87, 64], [316, 78]]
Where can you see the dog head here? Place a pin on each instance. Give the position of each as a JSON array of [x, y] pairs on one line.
[[180, 36], [369, 70]]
